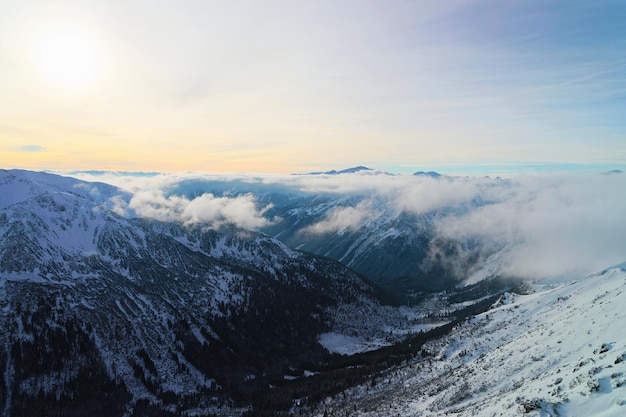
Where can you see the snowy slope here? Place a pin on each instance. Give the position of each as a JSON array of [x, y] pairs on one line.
[[112, 312], [380, 225], [560, 351], [19, 185]]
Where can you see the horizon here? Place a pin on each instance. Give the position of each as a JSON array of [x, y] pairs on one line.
[[504, 171], [477, 87]]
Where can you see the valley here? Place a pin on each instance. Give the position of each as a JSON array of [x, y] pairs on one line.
[[108, 313]]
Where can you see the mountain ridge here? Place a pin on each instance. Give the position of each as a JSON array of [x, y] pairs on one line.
[[107, 315], [351, 170], [556, 351], [167, 313]]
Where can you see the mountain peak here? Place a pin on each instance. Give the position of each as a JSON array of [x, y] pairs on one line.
[[19, 185], [343, 171], [354, 169], [613, 172], [431, 174]]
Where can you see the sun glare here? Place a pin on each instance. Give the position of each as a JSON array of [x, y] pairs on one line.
[[69, 59]]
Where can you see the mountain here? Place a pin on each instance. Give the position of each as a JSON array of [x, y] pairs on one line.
[[431, 174], [375, 233], [107, 315], [557, 351], [399, 250], [343, 171], [613, 172], [389, 247]]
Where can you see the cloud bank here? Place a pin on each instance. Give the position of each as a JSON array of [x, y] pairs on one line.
[[241, 211], [539, 226], [342, 219], [551, 226]]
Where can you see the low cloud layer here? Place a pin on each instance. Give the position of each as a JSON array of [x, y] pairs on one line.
[[240, 211], [540, 226], [343, 219], [552, 226]]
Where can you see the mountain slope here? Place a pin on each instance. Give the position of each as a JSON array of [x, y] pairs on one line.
[[104, 315], [380, 225], [388, 248], [560, 351]]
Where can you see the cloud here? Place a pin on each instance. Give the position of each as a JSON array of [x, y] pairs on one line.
[[186, 197], [531, 226], [207, 208], [341, 219], [550, 226], [129, 181], [29, 148]]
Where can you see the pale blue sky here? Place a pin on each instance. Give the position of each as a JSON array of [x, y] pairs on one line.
[[295, 86]]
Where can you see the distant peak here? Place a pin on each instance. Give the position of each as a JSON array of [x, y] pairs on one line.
[[431, 174], [343, 171], [355, 169], [613, 172]]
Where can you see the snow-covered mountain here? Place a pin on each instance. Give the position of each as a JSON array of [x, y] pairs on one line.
[[388, 247], [104, 314], [380, 225], [412, 233], [558, 351]]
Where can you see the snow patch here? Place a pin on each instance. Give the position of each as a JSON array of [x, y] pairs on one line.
[[348, 345]]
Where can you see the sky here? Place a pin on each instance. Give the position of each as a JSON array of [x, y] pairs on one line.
[[458, 86]]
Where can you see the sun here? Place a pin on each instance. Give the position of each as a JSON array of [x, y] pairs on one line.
[[68, 58]]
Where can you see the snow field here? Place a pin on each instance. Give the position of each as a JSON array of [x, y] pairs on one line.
[[560, 351]]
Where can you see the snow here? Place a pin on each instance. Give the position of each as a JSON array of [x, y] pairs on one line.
[[18, 186], [559, 351], [199, 336], [415, 328], [339, 343], [348, 345]]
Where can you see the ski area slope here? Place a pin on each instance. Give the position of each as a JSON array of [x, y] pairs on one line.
[[560, 351]]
